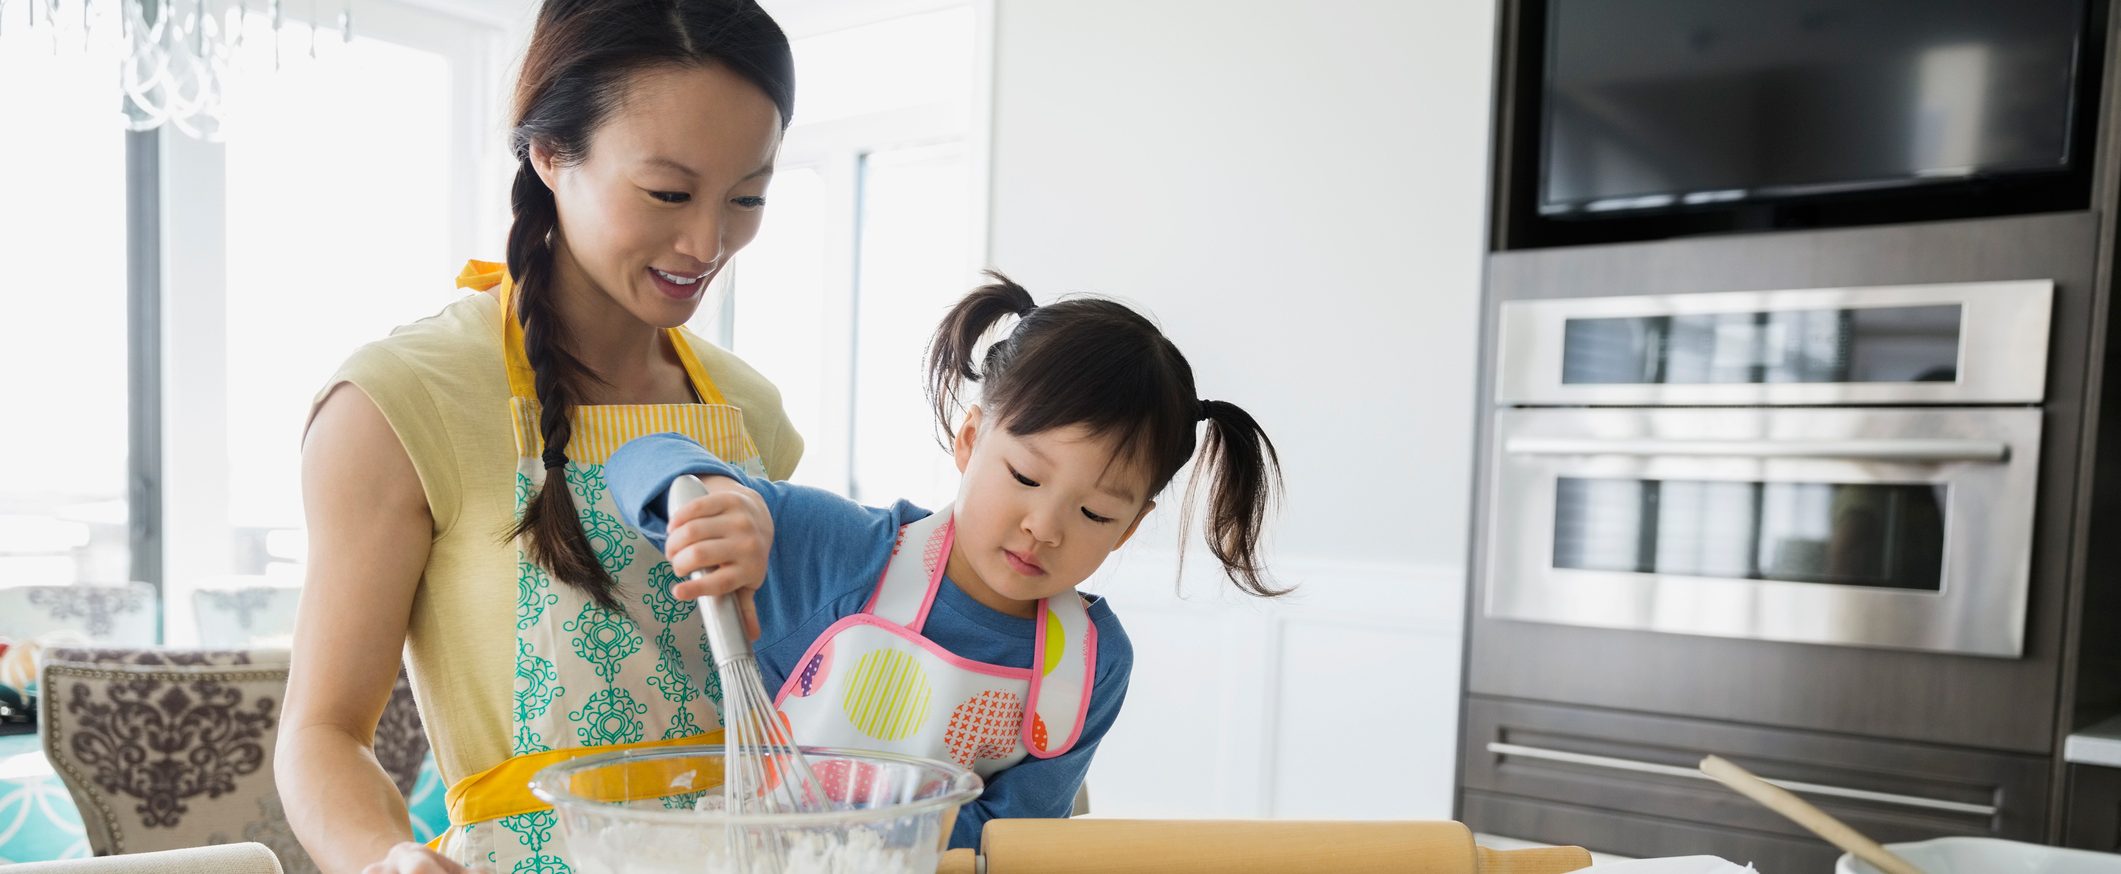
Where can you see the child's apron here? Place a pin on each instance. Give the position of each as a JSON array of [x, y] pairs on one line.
[[873, 682]]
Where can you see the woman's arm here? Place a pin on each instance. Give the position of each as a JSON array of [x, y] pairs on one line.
[[369, 529]]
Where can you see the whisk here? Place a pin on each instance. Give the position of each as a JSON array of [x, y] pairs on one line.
[[763, 771]]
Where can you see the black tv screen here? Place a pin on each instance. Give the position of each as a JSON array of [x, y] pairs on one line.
[[1670, 104]]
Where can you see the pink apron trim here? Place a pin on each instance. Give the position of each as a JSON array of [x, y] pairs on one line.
[[1035, 673], [935, 577], [846, 622], [1082, 710]]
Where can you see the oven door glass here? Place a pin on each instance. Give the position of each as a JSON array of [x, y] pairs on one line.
[[1904, 528], [1954, 343], [1882, 535], [1872, 344]]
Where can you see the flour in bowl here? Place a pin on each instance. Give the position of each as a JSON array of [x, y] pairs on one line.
[[632, 848]]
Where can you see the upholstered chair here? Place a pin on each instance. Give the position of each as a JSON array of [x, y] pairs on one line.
[[234, 616], [119, 614], [163, 749]]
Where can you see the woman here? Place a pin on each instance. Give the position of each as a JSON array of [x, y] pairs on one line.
[[455, 468]]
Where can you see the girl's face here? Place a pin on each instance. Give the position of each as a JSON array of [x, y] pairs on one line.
[[673, 184], [1037, 513]]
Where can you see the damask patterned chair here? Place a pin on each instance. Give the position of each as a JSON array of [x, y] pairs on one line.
[[164, 749], [238, 616], [118, 614]]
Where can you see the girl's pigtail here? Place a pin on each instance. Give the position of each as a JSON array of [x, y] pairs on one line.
[[950, 350], [1244, 482]]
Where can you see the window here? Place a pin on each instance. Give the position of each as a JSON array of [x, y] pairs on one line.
[[871, 232], [358, 147], [915, 232], [62, 344], [346, 192]]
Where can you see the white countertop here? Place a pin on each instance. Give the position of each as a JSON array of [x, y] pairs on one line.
[[1498, 842], [2097, 745]]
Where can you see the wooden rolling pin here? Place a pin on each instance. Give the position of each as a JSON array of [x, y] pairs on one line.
[[1126, 846]]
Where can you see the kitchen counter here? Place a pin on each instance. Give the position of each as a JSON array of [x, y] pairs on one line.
[[1499, 842], [2098, 745]]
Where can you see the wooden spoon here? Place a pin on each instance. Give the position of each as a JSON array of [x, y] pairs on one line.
[[1801, 812]]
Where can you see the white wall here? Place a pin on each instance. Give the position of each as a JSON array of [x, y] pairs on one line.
[[1295, 189]]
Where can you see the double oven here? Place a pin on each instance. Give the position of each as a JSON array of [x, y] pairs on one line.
[[1842, 466]]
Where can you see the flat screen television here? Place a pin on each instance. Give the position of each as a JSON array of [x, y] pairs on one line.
[[1646, 107]]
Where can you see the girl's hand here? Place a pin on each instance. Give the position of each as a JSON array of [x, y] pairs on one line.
[[727, 534], [411, 858]]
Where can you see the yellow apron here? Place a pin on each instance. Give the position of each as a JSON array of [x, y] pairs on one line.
[[591, 680]]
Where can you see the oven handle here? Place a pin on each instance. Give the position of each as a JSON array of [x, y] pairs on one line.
[[1932, 451], [1640, 767]]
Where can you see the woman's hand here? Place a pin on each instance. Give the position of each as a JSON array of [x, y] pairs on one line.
[[411, 858], [727, 534]]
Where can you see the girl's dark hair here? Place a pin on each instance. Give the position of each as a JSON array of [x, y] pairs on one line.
[[1095, 363], [583, 56]]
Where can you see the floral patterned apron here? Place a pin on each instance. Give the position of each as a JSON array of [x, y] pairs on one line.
[[590, 679]]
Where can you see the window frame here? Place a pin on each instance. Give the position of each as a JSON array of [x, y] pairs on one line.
[[177, 234], [838, 150]]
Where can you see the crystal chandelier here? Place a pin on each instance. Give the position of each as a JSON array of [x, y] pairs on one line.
[[174, 56]]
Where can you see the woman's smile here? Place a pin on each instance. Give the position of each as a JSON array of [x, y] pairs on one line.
[[677, 286]]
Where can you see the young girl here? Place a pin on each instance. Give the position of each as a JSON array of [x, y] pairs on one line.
[[959, 635]]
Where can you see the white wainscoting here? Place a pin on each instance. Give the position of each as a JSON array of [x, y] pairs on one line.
[[1338, 701]]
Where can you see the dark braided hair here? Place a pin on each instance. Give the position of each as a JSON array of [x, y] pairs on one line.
[[1095, 363], [582, 57]]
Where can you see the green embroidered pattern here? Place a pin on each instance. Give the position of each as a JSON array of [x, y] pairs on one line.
[[608, 539], [670, 677], [533, 832], [607, 641], [666, 609], [587, 481], [682, 725], [687, 800], [541, 864], [536, 683], [527, 741], [610, 716], [534, 828], [533, 593], [603, 638], [523, 489]]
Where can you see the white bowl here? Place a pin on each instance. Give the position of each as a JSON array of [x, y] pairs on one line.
[[1990, 856]]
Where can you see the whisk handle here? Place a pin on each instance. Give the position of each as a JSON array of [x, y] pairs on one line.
[[725, 628]]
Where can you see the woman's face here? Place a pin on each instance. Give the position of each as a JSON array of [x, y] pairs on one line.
[[673, 185]]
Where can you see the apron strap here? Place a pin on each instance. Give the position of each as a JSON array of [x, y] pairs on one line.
[[522, 381], [1061, 677], [906, 589], [504, 789]]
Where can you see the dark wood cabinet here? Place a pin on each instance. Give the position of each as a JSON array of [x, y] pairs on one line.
[[2093, 820], [1627, 783], [1991, 703], [1585, 735]]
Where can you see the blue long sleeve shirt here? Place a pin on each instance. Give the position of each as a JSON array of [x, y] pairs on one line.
[[826, 557]]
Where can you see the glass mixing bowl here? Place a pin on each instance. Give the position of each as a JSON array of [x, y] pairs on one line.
[[642, 812]]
